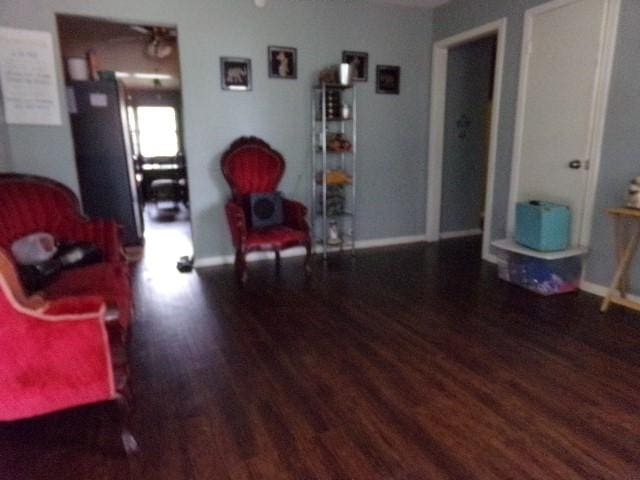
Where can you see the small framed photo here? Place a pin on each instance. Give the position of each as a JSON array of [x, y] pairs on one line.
[[235, 74], [388, 79], [359, 62], [283, 62]]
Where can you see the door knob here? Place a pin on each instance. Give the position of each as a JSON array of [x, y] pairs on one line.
[[575, 164]]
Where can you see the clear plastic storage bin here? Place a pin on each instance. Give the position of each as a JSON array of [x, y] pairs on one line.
[[543, 273]]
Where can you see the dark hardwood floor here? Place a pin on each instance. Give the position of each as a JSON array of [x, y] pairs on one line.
[[411, 362]]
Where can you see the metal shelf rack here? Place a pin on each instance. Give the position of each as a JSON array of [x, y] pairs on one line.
[[333, 229]]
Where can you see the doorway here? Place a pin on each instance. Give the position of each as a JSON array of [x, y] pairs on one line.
[[125, 107], [463, 135], [470, 72]]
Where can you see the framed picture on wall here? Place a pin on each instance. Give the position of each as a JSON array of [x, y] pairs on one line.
[[235, 73], [388, 79], [283, 62], [359, 62]]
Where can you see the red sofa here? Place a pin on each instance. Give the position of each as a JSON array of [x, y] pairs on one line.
[[63, 346]]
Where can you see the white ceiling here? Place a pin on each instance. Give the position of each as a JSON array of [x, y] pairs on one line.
[[414, 3]]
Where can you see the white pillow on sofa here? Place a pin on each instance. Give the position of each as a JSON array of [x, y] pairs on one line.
[[34, 248]]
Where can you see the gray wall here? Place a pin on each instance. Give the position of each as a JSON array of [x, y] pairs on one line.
[[392, 129], [4, 140], [621, 149], [464, 167]]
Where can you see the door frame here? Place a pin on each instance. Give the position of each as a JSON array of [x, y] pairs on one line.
[[437, 122], [598, 112]]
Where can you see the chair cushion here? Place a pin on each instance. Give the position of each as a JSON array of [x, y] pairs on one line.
[[275, 238], [108, 280]]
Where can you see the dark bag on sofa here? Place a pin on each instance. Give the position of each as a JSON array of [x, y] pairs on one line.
[[36, 277], [78, 254]]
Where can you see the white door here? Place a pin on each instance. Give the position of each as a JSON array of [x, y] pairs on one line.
[[558, 95]]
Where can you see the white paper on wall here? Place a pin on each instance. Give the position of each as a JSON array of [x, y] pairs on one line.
[[27, 73]]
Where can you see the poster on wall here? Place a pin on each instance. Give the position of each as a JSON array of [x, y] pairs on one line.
[[28, 77]]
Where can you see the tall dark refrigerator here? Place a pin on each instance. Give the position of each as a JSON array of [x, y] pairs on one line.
[[104, 157]]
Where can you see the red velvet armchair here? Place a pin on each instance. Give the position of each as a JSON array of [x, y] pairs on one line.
[[63, 346], [250, 165]]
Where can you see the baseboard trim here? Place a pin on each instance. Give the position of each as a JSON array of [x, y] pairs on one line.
[[213, 261], [216, 260], [386, 242], [460, 233], [490, 257], [601, 290], [589, 287], [594, 288]]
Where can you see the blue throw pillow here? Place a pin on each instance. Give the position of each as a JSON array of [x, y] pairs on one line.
[[266, 209]]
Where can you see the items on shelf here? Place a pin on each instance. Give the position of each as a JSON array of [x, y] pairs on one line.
[[338, 142], [333, 104], [633, 195], [336, 200], [328, 75], [334, 234], [336, 74], [335, 177], [346, 111]]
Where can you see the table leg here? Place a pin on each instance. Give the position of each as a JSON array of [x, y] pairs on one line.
[[623, 266], [620, 225]]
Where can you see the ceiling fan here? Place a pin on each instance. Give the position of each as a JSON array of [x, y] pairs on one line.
[[161, 40]]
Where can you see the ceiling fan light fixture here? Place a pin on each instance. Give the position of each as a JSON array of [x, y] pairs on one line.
[[260, 3], [158, 49]]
